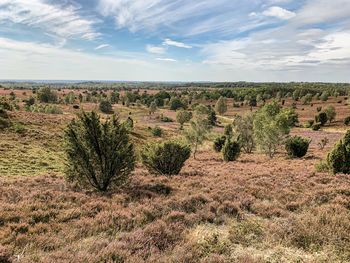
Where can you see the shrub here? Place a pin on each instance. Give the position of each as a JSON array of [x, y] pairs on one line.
[[228, 130], [309, 123], [331, 113], [166, 119], [105, 107], [4, 123], [244, 127], [338, 159], [166, 158], [99, 155], [47, 109], [182, 117], [319, 109], [323, 143], [46, 95], [219, 142], [271, 124], [176, 103], [347, 121], [316, 126], [157, 131], [321, 118], [297, 146], [221, 105], [231, 151]]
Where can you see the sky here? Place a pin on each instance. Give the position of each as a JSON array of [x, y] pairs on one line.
[[175, 40]]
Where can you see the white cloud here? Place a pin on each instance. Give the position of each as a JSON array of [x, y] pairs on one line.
[[102, 46], [166, 59], [169, 42], [279, 12], [64, 21], [155, 49]]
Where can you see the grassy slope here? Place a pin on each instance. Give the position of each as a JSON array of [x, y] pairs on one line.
[[252, 210]]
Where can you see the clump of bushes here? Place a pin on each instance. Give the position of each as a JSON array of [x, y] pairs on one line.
[[321, 118], [297, 146], [166, 119], [48, 109], [157, 131], [99, 155], [105, 107], [166, 158], [231, 150], [309, 123], [338, 160], [219, 142]]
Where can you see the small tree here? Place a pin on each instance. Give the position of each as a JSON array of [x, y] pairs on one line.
[[297, 146], [46, 95], [99, 155], [152, 107], [321, 118], [115, 96], [198, 131], [105, 107], [166, 158], [244, 127], [324, 96], [231, 150], [271, 124], [331, 113], [338, 160], [221, 105], [176, 103], [182, 117]]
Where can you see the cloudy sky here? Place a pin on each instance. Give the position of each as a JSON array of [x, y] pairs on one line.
[[175, 40]]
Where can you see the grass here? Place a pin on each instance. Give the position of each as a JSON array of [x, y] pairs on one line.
[[249, 211]]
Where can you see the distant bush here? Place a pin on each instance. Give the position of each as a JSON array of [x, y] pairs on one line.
[[176, 103], [319, 109], [338, 159], [4, 123], [219, 142], [105, 107], [157, 131], [316, 126], [309, 123], [297, 146], [231, 150], [244, 127], [45, 108], [166, 119], [347, 121], [166, 158], [331, 113], [323, 143], [18, 128], [182, 117], [321, 118], [47, 95], [228, 130], [99, 155]]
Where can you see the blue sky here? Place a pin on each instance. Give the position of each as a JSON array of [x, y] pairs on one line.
[[176, 40]]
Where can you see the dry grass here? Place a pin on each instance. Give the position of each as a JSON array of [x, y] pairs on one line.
[[252, 210]]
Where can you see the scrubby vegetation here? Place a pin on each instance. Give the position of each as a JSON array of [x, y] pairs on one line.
[[166, 158], [228, 204], [99, 155], [297, 146]]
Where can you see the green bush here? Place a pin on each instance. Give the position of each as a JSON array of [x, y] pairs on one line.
[[166, 119], [316, 126], [219, 142], [297, 146], [338, 159], [347, 121], [166, 158], [105, 107], [46, 95], [47, 109], [99, 155], [309, 123], [157, 131], [321, 118], [231, 151]]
